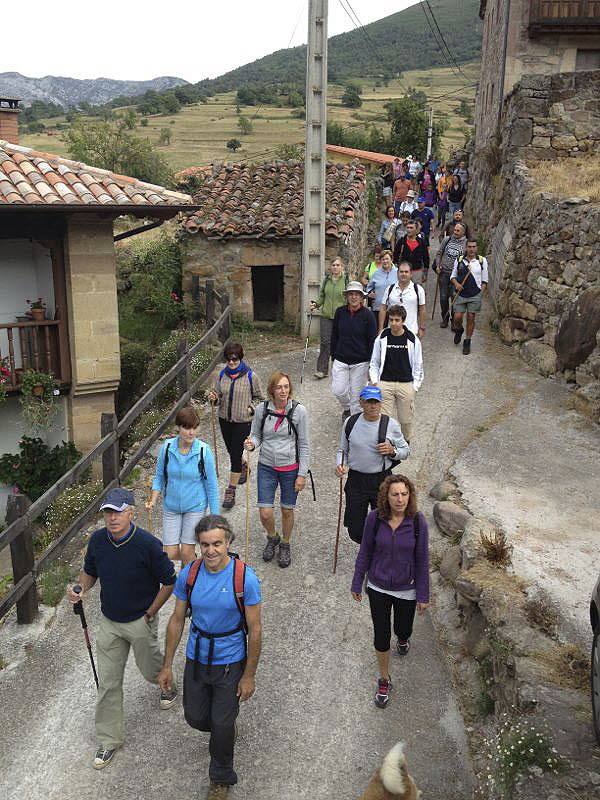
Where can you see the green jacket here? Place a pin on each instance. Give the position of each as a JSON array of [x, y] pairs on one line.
[[331, 295]]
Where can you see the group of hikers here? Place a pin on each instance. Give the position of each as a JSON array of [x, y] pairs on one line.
[[371, 333]]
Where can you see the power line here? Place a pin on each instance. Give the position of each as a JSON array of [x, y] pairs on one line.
[[435, 22], [440, 41]]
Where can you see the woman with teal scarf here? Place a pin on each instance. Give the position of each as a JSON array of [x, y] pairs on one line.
[[237, 390]]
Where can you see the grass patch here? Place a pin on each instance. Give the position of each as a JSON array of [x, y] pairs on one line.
[[145, 425], [542, 613], [64, 510], [567, 666], [133, 477], [483, 574], [485, 701], [52, 583], [496, 549], [6, 584], [568, 177]]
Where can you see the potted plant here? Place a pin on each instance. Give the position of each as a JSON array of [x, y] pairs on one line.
[[39, 391], [37, 309]]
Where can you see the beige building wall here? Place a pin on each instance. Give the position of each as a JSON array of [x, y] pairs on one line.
[[93, 324]]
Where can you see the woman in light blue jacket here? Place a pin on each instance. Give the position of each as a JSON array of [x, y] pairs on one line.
[[187, 479]]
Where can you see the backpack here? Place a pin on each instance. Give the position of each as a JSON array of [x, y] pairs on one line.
[[381, 434], [239, 579], [201, 467], [288, 416]]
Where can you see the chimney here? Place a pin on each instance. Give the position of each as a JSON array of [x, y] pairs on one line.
[[9, 120]]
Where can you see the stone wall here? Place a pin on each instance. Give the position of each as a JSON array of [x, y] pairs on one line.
[[543, 249]]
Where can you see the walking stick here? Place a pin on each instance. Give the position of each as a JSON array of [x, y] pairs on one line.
[[339, 522], [150, 511], [214, 433], [310, 316], [248, 473], [78, 609]]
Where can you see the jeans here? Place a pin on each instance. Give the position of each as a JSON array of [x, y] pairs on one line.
[[381, 612], [267, 481], [326, 326], [454, 207], [211, 704]]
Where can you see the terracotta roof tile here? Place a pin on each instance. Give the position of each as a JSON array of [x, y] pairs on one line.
[[361, 155], [268, 199], [32, 178]]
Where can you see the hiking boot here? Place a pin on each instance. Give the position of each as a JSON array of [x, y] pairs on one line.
[[458, 336], [466, 347], [444, 322], [382, 695], [402, 647], [271, 545], [103, 757], [168, 698], [320, 375], [217, 791], [243, 474], [229, 497], [285, 555]]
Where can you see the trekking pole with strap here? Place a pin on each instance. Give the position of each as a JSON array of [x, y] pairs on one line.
[[248, 474], [214, 434], [310, 316], [339, 521], [78, 610]]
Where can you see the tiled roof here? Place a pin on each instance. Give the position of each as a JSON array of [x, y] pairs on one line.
[[361, 155], [267, 200], [41, 179]]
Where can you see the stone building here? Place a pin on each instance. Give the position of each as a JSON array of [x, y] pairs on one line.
[[247, 232], [56, 243], [526, 38]]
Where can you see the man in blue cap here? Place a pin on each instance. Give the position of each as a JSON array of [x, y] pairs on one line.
[[370, 445], [136, 580], [424, 214]]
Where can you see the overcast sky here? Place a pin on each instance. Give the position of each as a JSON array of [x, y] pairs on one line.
[[133, 40]]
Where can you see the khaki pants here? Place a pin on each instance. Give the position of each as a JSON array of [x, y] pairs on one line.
[[399, 403], [113, 642]]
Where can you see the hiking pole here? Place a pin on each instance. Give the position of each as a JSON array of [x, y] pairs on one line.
[[78, 609], [310, 316], [214, 433], [150, 511], [248, 473], [339, 522]]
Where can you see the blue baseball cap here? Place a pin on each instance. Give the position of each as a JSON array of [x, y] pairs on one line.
[[420, 199], [118, 500], [371, 393]]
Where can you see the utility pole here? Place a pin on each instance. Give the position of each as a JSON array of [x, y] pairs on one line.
[[313, 239], [429, 133]]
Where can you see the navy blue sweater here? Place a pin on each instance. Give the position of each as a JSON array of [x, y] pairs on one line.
[[353, 335], [130, 571]]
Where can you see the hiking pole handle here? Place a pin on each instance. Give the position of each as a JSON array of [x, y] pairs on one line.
[[78, 606]]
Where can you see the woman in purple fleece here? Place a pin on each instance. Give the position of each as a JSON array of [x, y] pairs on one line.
[[394, 555]]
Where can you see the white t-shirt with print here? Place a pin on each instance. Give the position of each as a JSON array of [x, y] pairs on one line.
[[411, 298]]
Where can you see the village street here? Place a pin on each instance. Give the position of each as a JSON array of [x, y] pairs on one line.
[[312, 730]]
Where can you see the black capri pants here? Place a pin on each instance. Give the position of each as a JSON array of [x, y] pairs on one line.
[[234, 434], [381, 613]]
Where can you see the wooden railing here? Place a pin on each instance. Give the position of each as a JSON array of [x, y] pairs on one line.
[[564, 16], [21, 515], [38, 345]]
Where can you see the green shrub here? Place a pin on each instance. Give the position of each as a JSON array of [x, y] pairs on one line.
[[144, 425], [37, 467], [166, 356], [135, 357], [52, 584], [64, 510]]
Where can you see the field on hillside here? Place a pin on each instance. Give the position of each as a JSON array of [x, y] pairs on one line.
[[200, 132]]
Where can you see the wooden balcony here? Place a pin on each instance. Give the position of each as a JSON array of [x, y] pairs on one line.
[[564, 16], [38, 345]]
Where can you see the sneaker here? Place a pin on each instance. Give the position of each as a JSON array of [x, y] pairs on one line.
[[458, 336], [320, 375], [444, 323], [466, 347], [271, 545], [217, 791], [103, 757], [402, 647], [382, 695], [285, 555], [229, 497], [168, 698], [243, 474]]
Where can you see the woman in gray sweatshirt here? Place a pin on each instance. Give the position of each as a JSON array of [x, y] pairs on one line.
[[280, 430]]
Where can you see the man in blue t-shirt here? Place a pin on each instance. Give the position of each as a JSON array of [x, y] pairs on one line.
[[136, 580], [220, 665]]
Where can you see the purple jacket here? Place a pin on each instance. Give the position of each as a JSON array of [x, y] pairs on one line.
[[392, 560]]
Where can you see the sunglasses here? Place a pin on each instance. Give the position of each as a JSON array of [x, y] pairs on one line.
[[232, 359]]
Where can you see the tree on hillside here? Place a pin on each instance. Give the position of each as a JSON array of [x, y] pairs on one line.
[[233, 145], [244, 125], [351, 97], [111, 146], [164, 136], [408, 127], [290, 152], [129, 119]]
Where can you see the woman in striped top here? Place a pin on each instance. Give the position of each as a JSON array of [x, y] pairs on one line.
[[237, 390]]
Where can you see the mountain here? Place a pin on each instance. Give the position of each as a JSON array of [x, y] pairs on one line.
[[72, 91], [397, 43]]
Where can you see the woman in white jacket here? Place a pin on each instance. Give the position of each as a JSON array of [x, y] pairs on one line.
[[397, 368]]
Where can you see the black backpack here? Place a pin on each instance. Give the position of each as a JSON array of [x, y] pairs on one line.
[[292, 428], [381, 434], [201, 467]]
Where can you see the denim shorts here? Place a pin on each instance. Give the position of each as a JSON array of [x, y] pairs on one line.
[[180, 528], [268, 479]]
